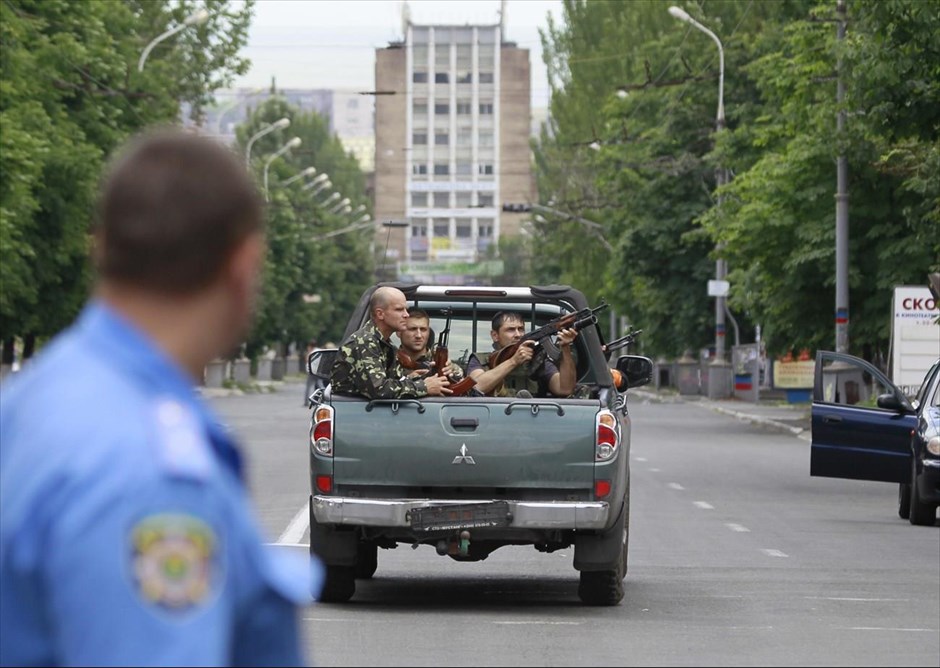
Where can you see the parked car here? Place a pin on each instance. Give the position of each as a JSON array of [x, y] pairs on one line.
[[866, 428]]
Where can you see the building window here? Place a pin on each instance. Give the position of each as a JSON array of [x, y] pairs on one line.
[[442, 227], [441, 169], [484, 227], [486, 77], [486, 109], [464, 138], [419, 168], [419, 230], [486, 138], [464, 108], [444, 109], [441, 77], [485, 168], [419, 77], [420, 109], [463, 199], [485, 199], [441, 139], [465, 78], [441, 200], [418, 138], [464, 169], [419, 199], [420, 54]]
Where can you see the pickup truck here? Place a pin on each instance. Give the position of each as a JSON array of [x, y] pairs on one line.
[[470, 474]]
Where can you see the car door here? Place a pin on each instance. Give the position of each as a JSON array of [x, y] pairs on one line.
[[861, 422]]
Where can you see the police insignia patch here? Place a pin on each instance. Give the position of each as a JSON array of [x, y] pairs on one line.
[[174, 560]]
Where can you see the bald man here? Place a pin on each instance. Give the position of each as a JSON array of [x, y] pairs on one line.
[[367, 364]]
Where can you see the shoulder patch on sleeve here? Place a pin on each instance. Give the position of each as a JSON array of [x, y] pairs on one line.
[[181, 440], [175, 561]]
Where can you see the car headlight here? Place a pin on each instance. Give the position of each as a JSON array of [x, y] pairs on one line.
[[933, 445]]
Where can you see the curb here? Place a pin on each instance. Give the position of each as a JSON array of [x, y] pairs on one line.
[[799, 432]]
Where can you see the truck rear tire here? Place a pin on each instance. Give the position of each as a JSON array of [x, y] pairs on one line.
[[367, 560], [921, 514], [339, 584], [605, 587]]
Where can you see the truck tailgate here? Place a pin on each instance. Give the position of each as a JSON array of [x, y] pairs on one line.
[[458, 443]]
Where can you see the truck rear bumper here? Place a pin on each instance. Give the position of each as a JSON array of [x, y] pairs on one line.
[[525, 514]]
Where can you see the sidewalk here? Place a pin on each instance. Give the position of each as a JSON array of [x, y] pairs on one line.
[[771, 412]]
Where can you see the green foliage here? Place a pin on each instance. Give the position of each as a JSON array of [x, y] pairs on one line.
[[70, 93], [643, 163], [311, 284]]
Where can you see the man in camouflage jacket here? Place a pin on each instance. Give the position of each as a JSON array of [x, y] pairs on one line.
[[367, 364]]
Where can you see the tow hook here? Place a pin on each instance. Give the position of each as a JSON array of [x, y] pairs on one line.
[[456, 545]]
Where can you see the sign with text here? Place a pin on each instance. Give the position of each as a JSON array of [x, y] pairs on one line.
[[794, 375]]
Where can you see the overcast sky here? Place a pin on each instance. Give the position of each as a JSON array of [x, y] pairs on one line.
[[331, 43]]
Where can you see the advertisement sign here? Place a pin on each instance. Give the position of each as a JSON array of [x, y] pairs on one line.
[[915, 336], [797, 375]]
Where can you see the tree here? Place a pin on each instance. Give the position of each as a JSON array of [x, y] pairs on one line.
[[71, 94]]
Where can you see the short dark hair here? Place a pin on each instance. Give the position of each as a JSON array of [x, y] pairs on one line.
[[502, 317], [172, 209], [418, 313]]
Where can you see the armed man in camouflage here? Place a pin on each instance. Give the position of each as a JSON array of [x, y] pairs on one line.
[[367, 364]]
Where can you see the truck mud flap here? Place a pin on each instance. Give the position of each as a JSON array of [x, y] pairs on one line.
[[601, 551], [333, 547]]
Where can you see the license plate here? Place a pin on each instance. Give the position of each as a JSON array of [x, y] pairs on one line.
[[461, 516]]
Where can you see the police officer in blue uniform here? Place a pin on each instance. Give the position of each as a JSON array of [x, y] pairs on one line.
[[126, 532]]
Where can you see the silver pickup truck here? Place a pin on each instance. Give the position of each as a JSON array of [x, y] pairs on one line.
[[471, 474]]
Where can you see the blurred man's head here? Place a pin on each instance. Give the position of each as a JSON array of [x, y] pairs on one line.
[[414, 338], [179, 216], [506, 328]]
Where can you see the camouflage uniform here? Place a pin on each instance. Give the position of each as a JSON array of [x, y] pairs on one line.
[[367, 366], [533, 376]]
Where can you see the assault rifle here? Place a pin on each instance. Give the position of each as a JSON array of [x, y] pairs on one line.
[[577, 320], [624, 341]]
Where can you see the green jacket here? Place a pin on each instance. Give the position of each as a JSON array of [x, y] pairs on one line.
[[367, 366]]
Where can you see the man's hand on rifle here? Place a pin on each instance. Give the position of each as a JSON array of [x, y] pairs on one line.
[[524, 353], [567, 336], [437, 386]]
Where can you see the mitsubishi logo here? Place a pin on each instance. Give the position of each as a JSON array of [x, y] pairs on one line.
[[463, 457]]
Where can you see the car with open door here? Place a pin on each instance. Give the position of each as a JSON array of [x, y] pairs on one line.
[[866, 428]]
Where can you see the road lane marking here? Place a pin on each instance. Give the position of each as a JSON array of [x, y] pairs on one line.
[[541, 622], [863, 600], [774, 553], [704, 505], [737, 527], [654, 470], [675, 485], [640, 459], [295, 530], [881, 628]]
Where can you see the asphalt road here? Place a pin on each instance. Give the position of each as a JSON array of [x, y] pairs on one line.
[[737, 557]]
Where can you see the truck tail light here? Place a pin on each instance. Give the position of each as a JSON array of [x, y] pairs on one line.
[[324, 484], [321, 433], [601, 488], [606, 435]]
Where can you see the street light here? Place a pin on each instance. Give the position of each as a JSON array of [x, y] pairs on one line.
[[276, 125], [326, 184], [306, 172], [715, 389], [359, 209], [320, 179], [331, 198], [193, 19], [293, 143], [339, 205]]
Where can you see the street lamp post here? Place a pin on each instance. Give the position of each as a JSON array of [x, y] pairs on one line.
[[293, 143], [306, 172], [719, 381], [332, 198], [276, 125], [193, 19], [339, 205], [326, 183]]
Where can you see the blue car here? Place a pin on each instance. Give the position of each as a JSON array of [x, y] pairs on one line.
[[865, 428]]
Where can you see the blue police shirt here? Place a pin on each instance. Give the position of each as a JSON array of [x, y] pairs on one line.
[[126, 534]]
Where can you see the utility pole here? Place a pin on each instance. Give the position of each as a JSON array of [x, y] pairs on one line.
[[842, 201]]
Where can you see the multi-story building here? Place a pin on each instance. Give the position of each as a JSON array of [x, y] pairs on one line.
[[452, 123]]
